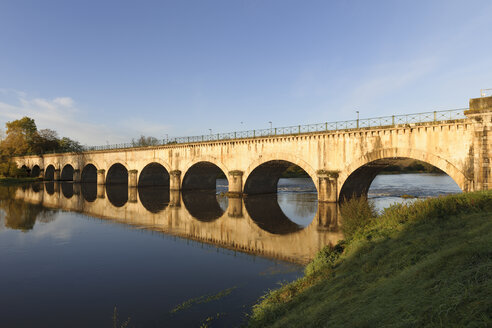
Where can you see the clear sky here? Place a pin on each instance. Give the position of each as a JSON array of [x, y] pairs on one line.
[[107, 71]]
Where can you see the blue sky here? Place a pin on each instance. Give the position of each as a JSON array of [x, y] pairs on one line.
[[107, 71]]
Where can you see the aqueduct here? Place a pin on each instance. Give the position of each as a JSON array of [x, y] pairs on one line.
[[341, 162]]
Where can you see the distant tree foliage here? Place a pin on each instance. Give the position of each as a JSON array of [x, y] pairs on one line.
[[145, 141], [22, 137]]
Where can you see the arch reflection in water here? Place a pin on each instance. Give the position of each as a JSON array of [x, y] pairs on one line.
[[67, 189], [267, 214], [89, 191], [203, 205], [246, 227], [154, 199]]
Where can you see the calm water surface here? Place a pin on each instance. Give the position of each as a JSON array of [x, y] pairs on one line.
[[69, 256]]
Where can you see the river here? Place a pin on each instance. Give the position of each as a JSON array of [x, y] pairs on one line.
[[70, 255]]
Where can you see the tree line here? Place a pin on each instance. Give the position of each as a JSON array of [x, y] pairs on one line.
[[22, 137]]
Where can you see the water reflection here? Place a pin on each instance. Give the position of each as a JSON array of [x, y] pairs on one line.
[[22, 215], [154, 199], [117, 194], [255, 224], [266, 213], [202, 205]]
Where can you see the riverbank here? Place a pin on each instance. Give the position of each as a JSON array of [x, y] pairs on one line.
[[424, 264], [15, 181]]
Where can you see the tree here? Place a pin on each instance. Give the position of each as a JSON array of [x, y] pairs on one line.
[[45, 140], [23, 137], [24, 129], [145, 141], [69, 145]]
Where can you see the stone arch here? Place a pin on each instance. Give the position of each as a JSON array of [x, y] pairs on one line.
[[89, 173], [358, 176], [49, 173], [88, 179], [142, 164], [117, 174], [35, 171], [202, 175], [263, 174], [154, 174], [117, 184], [26, 169], [67, 173]]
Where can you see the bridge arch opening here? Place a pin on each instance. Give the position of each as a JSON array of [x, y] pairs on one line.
[[205, 176], [154, 174], [25, 171], [88, 179], [266, 178], [35, 171], [89, 174], [49, 173], [117, 185], [117, 174], [67, 173], [397, 176]]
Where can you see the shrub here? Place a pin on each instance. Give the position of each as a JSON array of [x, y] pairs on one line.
[[357, 213]]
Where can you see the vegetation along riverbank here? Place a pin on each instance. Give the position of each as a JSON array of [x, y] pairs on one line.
[[421, 265]]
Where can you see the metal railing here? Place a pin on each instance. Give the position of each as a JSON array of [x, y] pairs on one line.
[[384, 121]]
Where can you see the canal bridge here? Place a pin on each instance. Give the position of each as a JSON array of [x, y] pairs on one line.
[[342, 158]]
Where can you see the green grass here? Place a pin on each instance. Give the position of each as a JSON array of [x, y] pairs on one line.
[[427, 264]]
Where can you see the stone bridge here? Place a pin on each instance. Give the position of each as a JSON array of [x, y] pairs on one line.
[[341, 162]]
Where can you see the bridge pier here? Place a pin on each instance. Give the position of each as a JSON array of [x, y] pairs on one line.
[[235, 209], [327, 186], [101, 177], [132, 194], [327, 216], [101, 190], [235, 184], [76, 175], [481, 114], [56, 175], [132, 178], [175, 180], [175, 198]]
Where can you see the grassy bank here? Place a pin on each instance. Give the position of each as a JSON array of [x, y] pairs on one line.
[[12, 181], [421, 265]]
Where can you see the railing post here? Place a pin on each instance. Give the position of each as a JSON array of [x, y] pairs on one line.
[[357, 123], [299, 130], [435, 116], [393, 120], [275, 131], [254, 133], [235, 135], [326, 126], [217, 136]]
